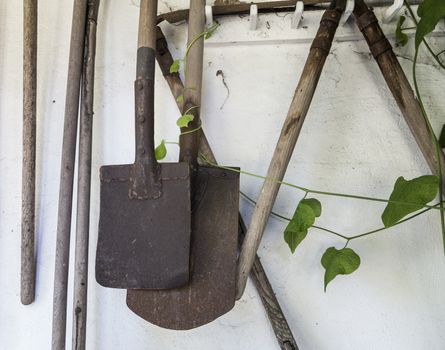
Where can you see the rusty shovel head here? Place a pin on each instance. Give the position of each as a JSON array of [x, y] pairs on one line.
[[211, 290], [144, 243]]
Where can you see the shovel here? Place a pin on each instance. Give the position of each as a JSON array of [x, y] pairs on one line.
[[145, 215], [277, 319], [211, 291]]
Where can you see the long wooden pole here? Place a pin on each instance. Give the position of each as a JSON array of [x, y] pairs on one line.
[[67, 174], [84, 181], [399, 85], [28, 260], [287, 140], [277, 319]]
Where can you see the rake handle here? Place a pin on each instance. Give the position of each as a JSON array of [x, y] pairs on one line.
[[398, 84], [28, 261], [287, 140]]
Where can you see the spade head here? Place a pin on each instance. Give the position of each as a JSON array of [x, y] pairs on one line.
[[144, 243], [211, 290]]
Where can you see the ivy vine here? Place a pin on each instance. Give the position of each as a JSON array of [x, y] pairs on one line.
[[408, 199]]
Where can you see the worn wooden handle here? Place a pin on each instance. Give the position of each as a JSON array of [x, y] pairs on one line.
[[67, 174], [28, 261], [189, 141], [147, 23], [399, 85], [286, 142], [84, 182]]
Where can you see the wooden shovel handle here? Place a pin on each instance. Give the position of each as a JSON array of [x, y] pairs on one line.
[[189, 140], [145, 177], [399, 85], [287, 140], [147, 24], [276, 316]]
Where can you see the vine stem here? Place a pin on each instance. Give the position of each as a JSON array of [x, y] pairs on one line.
[[436, 142], [207, 31], [308, 190], [350, 238], [435, 56]]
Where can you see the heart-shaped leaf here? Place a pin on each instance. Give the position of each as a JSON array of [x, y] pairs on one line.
[[338, 262], [401, 37], [430, 13], [410, 196], [184, 120], [303, 218], [174, 68], [314, 204], [161, 151]]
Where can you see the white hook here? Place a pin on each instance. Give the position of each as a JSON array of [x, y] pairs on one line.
[[392, 11], [350, 4], [298, 15], [209, 15], [253, 17]]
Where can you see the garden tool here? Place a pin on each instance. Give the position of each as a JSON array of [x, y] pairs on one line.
[[28, 260], [277, 319], [398, 84], [288, 138], [215, 200], [145, 215], [67, 174], [84, 181]]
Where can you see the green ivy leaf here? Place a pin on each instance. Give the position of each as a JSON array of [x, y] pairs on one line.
[[314, 204], [161, 151], [430, 13], [417, 192], [303, 218], [184, 120], [442, 137], [180, 98], [338, 262], [174, 68], [401, 37]]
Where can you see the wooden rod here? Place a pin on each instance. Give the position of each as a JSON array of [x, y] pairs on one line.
[[287, 140], [399, 86], [67, 174], [28, 260], [84, 181]]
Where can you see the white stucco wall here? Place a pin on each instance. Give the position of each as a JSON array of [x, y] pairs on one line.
[[354, 140]]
